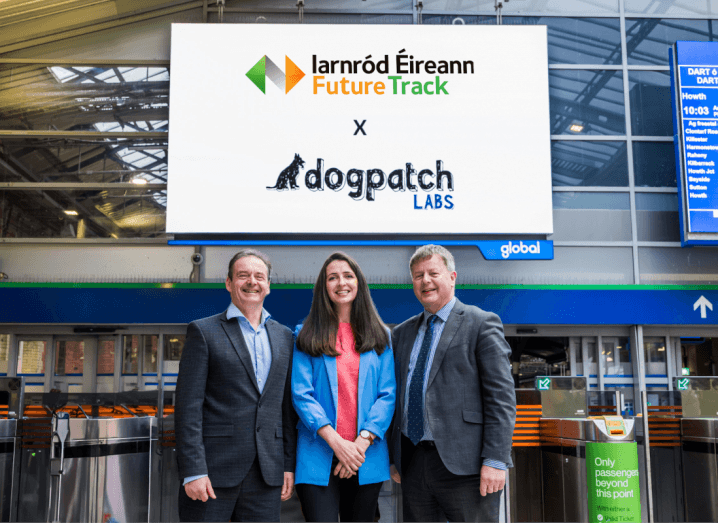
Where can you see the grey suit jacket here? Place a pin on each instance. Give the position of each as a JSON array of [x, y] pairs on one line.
[[470, 398], [222, 422]]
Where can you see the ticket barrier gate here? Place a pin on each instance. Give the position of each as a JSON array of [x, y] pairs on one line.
[[524, 482], [165, 475], [86, 457], [554, 396], [699, 440], [563, 446], [11, 405]]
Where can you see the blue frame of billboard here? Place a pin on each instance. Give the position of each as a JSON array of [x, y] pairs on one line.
[[697, 53]]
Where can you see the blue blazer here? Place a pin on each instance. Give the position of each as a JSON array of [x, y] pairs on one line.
[[314, 394]]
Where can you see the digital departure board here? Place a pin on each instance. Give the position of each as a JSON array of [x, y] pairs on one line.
[[694, 86]]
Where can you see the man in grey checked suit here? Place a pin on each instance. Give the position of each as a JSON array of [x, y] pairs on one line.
[[456, 406], [236, 436]]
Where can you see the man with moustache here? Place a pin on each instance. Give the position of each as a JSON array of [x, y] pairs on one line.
[[236, 435], [456, 406]]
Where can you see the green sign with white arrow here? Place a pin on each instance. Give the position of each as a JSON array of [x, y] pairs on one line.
[[682, 383], [544, 384]]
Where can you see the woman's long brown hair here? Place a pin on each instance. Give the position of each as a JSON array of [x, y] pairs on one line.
[[319, 332]]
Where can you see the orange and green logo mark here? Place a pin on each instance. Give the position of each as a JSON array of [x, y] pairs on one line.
[[265, 68]]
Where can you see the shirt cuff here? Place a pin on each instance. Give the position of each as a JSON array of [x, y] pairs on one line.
[[495, 464], [192, 478]]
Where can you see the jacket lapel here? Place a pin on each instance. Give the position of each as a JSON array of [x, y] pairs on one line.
[[330, 362], [453, 323], [405, 346], [234, 333], [274, 335]]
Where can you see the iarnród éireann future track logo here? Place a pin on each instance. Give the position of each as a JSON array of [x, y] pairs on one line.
[[265, 68]]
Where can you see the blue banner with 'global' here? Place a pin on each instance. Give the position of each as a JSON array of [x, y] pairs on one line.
[[516, 249]]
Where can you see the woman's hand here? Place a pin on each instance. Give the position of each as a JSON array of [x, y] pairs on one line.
[[343, 472], [347, 452]]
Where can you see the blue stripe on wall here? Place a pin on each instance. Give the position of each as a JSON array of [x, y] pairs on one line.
[[289, 306]]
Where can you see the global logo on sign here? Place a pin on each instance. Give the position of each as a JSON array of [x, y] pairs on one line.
[[265, 68], [516, 249]]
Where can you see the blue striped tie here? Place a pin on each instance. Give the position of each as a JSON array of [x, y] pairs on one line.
[[415, 412]]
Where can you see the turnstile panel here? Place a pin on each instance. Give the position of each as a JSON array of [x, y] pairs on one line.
[[700, 473]]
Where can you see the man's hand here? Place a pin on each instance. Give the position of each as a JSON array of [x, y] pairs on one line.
[[492, 480], [288, 487], [394, 474], [200, 489]]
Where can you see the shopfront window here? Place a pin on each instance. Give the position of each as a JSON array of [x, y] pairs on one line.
[[150, 354], [130, 354], [31, 358], [4, 353], [539, 356], [69, 358], [699, 356], [616, 354], [654, 350], [106, 358]]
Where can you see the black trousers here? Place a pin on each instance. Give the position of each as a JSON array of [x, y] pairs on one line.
[[430, 492], [343, 499], [251, 500]]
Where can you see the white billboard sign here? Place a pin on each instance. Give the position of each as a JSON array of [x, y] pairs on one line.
[[359, 129]]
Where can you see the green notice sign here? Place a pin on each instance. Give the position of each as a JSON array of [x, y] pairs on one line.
[[613, 491]]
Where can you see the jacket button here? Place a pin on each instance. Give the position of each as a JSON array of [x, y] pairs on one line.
[[259, 428]]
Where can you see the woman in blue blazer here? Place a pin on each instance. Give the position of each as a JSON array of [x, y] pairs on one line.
[[343, 388]]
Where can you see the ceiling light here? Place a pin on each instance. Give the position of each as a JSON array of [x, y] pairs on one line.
[[576, 127], [139, 181], [71, 213]]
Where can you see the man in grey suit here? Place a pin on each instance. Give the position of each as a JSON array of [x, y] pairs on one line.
[[236, 436], [456, 406]]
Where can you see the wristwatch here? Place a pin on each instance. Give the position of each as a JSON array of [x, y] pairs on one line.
[[367, 435]]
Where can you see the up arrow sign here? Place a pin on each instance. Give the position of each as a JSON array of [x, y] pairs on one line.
[[703, 303]]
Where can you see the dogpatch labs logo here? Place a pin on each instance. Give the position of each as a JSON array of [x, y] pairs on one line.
[[265, 68]]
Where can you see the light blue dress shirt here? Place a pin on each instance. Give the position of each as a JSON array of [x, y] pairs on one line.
[[439, 324], [257, 342]]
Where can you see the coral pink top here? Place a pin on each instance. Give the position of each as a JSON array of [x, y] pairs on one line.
[[348, 380]]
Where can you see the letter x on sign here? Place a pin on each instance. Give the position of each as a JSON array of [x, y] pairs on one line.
[[360, 127]]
